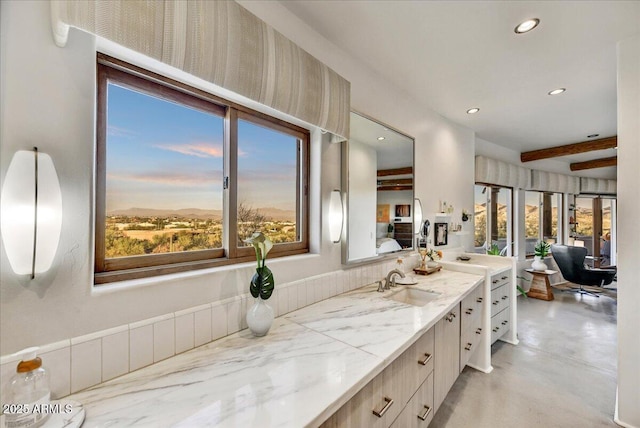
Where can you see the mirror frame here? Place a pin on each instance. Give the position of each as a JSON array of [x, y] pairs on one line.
[[345, 191]]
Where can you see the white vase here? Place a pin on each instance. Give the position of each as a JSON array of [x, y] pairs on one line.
[[538, 264], [260, 317], [432, 264]]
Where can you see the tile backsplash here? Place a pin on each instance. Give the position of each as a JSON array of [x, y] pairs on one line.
[[81, 362]]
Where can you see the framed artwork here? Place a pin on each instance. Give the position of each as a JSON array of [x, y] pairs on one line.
[[403, 210], [440, 234], [382, 213]]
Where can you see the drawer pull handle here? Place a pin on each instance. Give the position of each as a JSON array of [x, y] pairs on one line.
[[385, 408], [496, 302], [505, 277], [479, 300], [469, 311], [479, 330], [449, 318], [425, 415], [468, 347], [426, 360], [496, 329], [504, 322], [495, 281], [505, 297]]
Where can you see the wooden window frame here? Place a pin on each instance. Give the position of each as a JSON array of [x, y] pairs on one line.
[[106, 270]]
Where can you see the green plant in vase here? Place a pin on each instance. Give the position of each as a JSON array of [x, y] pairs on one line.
[[540, 251], [260, 316]]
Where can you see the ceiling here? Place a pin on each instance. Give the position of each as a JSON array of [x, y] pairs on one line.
[[455, 55]]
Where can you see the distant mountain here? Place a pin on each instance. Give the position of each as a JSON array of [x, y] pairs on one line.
[[184, 212], [198, 213], [278, 214]]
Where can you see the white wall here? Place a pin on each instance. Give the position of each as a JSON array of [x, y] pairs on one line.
[[47, 97], [393, 198], [628, 411]]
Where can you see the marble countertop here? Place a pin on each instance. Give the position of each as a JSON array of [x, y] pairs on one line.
[[312, 361], [496, 264]]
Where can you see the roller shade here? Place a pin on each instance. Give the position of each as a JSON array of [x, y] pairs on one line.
[[223, 43], [553, 182], [599, 186], [500, 173]]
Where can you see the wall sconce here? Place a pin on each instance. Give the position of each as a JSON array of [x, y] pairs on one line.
[[417, 216], [31, 212], [336, 216]]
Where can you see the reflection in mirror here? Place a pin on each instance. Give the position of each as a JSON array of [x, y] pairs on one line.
[[379, 183]]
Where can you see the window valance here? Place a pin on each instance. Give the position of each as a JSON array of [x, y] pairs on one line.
[[599, 186], [223, 43], [500, 173], [553, 182]]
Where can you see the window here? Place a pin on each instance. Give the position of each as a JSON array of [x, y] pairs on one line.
[[495, 221], [542, 216], [184, 177]]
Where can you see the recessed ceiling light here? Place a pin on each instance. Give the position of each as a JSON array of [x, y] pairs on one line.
[[380, 138], [473, 110], [593, 135], [527, 25], [557, 91]]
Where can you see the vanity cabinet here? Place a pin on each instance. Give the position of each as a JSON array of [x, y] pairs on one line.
[[500, 304], [447, 359], [471, 309], [408, 378], [409, 391]]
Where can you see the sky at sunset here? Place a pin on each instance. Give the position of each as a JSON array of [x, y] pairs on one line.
[[165, 156]]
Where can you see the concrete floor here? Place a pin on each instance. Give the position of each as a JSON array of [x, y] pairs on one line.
[[561, 374]]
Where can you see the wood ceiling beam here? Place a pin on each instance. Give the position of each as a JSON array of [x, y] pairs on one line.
[[395, 188], [395, 182], [596, 163], [570, 149], [395, 171]]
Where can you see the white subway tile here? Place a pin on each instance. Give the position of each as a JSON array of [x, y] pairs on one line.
[[140, 347], [58, 364], [247, 302], [302, 294], [340, 282], [185, 329], [86, 364], [219, 320], [7, 370], [234, 314], [311, 291], [202, 326], [115, 355], [293, 298], [283, 301], [164, 339]]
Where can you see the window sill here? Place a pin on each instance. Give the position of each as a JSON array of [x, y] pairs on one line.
[[106, 287]]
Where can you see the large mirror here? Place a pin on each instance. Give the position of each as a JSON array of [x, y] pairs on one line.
[[378, 180]]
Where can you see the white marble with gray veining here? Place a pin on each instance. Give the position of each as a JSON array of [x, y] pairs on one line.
[[311, 362]]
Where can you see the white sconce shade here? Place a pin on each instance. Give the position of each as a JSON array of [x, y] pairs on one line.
[[336, 216], [417, 216], [31, 212]]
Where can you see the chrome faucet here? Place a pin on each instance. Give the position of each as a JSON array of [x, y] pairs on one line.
[[391, 280]]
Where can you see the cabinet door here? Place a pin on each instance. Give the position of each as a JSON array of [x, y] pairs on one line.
[[447, 355], [421, 361], [419, 411]]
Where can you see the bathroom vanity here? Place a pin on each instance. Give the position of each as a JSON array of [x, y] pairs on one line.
[[333, 363]]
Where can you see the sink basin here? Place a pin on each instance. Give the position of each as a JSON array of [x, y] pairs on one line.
[[414, 296]]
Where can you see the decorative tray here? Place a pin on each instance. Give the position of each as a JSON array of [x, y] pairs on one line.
[[427, 271]]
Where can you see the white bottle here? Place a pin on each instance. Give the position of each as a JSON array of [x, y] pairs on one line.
[[29, 393]]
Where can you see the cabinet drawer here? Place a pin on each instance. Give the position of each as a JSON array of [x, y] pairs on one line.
[[420, 360], [499, 299], [385, 395], [470, 342], [499, 325], [500, 279], [419, 410], [471, 307]]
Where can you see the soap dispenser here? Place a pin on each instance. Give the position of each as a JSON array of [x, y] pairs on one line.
[[29, 393]]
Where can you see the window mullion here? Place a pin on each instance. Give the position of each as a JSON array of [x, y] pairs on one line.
[[231, 193]]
